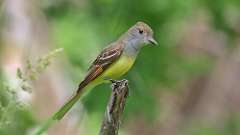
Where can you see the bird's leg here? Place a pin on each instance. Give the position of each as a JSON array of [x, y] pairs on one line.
[[113, 81]]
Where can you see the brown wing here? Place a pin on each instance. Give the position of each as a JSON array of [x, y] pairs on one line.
[[105, 59]]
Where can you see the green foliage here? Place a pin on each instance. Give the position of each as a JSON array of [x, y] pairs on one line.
[[33, 70], [13, 114], [83, 31], [84, 28], [15, 117]]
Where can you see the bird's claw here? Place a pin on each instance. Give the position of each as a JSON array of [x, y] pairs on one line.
[[115, 83]]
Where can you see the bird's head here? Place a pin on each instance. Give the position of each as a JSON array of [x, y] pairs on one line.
[[141, 33]]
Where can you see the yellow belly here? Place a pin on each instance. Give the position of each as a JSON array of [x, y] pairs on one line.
[[116, 70], [119, 68]]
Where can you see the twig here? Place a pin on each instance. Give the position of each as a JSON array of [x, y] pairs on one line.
[[115, 108]]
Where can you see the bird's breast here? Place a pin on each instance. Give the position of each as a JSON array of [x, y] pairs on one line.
[[120, 67]]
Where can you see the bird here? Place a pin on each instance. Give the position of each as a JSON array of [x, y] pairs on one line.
[[113, 62]]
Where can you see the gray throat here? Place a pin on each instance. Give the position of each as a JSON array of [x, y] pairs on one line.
[[131, 49], [132, 45]]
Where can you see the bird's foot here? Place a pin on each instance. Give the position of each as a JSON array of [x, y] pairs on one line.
[[112, 80], [117, 82]]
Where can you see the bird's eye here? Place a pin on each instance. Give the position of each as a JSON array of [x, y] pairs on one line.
[[141, 31]]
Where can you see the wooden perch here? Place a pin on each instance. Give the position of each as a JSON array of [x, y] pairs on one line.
[[115, 108]]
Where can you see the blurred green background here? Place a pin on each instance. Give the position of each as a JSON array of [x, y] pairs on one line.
[[188, 85]]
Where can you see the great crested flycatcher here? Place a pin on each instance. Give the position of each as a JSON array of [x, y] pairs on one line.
[[113, 62]]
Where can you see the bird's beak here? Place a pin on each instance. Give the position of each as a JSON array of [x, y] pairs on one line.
[[152, 41]]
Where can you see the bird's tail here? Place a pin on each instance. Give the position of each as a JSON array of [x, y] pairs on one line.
[[62, 111], [67, 106]]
